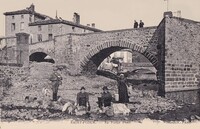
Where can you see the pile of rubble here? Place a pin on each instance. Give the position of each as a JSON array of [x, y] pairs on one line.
[[39, 78], [147, 101], [26, 113]]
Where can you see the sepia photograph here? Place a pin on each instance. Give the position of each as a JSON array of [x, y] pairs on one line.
[[99, 62]]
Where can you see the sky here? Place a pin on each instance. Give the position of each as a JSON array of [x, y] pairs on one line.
[[106, 14]]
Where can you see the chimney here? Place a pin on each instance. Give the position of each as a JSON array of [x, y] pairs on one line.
[[76, 18], [168, 14], [88, 25], [178, 13], [32, 8], [93, 25]]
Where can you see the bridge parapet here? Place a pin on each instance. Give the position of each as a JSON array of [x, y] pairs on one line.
[[46, 47]]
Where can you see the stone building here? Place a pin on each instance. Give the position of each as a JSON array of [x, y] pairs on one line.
[[41, 27], [18, 21], [46, 29]]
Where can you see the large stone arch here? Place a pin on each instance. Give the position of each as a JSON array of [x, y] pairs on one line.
[[99, 53]]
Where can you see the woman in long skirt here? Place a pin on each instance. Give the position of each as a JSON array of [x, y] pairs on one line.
[[122, 89]]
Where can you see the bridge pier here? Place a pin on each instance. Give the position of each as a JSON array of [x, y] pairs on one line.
[[22, 49]]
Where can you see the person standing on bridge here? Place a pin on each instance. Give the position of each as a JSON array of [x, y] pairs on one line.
[[141, 25], [56, 80], [135, 24], [122, 89]]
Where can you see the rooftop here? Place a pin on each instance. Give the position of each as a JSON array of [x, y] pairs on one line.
[[26, 11], [61, 21]]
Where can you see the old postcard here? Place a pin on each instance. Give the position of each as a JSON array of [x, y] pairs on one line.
[[99, 64]]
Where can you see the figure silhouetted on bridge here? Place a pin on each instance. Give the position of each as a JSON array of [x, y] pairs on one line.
[[141, 25], [135, 24]]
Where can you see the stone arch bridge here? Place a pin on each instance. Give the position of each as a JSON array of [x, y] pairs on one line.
[[86, 51]]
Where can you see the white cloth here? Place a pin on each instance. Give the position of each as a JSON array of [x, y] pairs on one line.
[[46, 92], [107, 66], [66, 106], [120, 109]]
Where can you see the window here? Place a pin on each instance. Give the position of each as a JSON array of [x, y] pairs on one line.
[[39, 37], [30, 18], [73, 28], [31, 38], [50, 36], [22, 26], [13, 27], [50, 27], [39, 28], [22, 16], [13, 17]]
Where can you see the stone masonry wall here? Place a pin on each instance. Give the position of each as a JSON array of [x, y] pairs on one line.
[[63, 49], [8, 52], [182, 55], [16, 50], [159, 36], [23, 49]]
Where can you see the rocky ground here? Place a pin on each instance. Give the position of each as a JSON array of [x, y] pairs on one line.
[[144, 101]]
